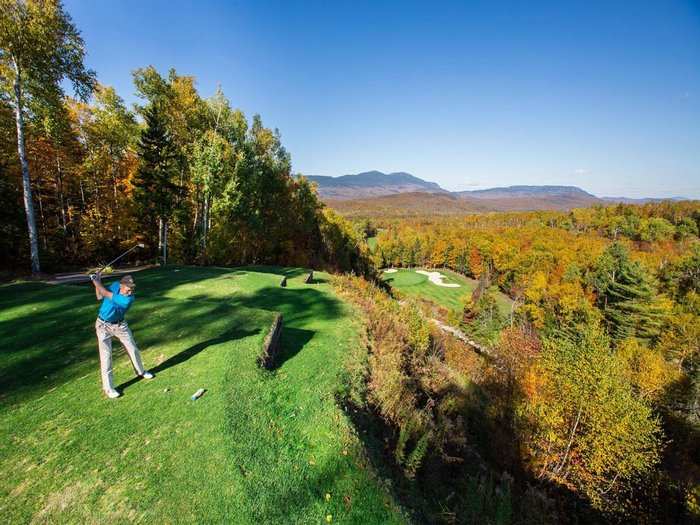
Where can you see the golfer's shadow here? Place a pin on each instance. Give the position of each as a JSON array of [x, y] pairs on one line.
[[192, 351]]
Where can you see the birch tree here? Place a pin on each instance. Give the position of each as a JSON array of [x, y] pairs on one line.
[[39, 48]]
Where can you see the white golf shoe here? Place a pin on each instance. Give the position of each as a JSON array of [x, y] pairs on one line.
[[112, 394], [147, 375]]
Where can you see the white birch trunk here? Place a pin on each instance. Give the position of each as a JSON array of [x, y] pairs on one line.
[[160, 237], [26, 182], [205, 223], [165, 243]]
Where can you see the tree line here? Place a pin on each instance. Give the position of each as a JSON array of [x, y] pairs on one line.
[[191, 177]]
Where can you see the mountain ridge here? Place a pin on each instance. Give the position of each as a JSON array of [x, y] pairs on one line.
[[373, 184], [526, 191]]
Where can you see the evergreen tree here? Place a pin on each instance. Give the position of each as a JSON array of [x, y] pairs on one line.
[[626, 296], [155, 187]]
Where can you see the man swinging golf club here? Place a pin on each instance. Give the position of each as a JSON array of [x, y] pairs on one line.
[[110, 323]]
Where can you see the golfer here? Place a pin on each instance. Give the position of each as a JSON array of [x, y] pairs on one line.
[[116, 300]]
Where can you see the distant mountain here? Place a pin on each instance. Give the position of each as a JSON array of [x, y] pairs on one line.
[[371, 184], [511, 192], [516, 198], [404, 194], [628, 200]]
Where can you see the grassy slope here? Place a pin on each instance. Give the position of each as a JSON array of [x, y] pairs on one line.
[[260, 446], [418, 285]]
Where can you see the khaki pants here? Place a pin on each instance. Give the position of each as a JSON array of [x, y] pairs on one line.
[[105, 332]]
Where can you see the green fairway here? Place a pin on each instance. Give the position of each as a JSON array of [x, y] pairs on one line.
[[258, 447], [415, 284], [372, 243]]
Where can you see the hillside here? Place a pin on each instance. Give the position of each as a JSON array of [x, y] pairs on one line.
[[420, 203], [408, 205], [544, 202]]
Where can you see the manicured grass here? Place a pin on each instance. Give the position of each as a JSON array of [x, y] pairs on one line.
[[415, 284], [258, 447]]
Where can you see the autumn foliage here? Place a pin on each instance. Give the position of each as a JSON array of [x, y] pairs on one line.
[[591, 383], [191, 178]]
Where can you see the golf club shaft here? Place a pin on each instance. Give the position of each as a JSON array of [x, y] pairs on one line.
[[122, 255]]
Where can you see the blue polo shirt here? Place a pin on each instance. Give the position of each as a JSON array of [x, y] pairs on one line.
[[113, 310]]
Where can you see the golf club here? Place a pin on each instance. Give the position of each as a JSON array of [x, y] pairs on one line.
[[94, 275]]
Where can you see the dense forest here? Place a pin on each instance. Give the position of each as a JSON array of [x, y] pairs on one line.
[[591, 385], [190, 177]]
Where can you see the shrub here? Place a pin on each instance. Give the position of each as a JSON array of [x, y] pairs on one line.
[[406, 379]]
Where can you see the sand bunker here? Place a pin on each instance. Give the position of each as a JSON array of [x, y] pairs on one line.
[[436, 278], [391, 270]]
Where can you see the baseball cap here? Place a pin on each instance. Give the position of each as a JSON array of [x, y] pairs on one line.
[[128, 281]]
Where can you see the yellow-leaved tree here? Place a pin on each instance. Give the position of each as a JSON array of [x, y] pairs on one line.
[[584, 426]]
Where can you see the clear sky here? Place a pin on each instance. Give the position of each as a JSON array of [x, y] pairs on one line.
[[602, 95]]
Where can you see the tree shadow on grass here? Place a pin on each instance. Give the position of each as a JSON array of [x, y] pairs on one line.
[[292, 341], [52, 340], [297, 305], [188, 353], [276, 270]]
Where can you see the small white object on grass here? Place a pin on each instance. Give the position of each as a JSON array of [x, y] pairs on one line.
[[199, 393]]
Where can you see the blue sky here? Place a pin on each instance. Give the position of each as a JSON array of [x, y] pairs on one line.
[[602, 95]]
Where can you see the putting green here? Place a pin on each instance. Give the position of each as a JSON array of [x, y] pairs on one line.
[[414, 284], [258, 447]]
